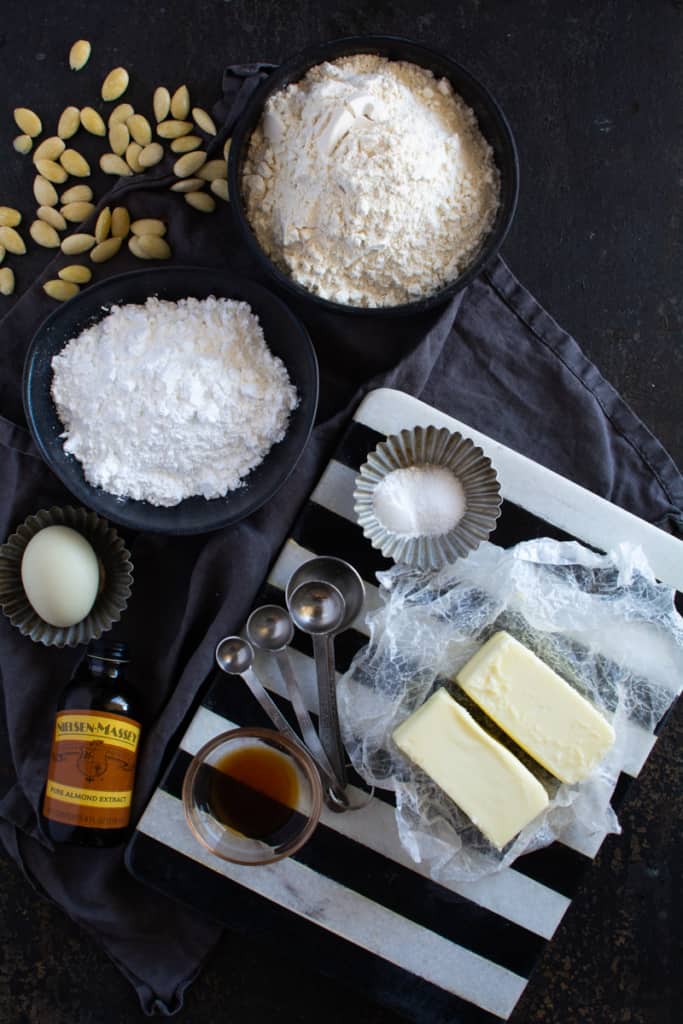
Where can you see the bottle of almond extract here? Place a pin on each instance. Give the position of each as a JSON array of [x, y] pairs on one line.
[[91, 771]]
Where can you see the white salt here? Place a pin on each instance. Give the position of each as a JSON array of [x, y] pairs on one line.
[[420, 501]]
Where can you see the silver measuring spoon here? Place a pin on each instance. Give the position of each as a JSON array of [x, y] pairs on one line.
[[271, 629], [235, 656], [318, 609]]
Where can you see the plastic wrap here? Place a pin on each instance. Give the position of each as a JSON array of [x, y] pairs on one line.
[[600, 621]]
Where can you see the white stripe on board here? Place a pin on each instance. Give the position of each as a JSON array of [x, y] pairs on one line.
[[509, 893], [346, 913], [335, 490], [539, 490]]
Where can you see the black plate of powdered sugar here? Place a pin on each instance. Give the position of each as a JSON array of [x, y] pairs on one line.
[[286, 338]]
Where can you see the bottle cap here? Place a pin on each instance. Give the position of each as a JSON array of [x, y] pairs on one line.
[[108, 650]]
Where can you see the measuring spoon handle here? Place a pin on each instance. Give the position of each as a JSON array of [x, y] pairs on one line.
[[330, 733], [258, 691]]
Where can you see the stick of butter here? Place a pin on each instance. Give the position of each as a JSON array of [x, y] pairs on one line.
[[489, 783], [536, 708]]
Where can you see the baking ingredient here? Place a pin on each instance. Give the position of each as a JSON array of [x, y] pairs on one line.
[[52, 217], [73, 245], [105, 250], [149, 247], [69, 122], [161, 103], [180, 103], [2, 253], [187, 185], [204, 120], [219, 187], [419, 501], [79, 54], [6, 281], [44, 191], [44, 234], [541, 712], [115, 84], [120, 114], [9, 217], [74, 164], [185, 143], [103, 224], [78, 194], [92, 122], [187, 165], [133, 151], [151, 155], [120, 222], [76, 273], [60, 290], [140, 129], [23, 144], [148, 226], [27, 121], [60, 575], [12, 240], [49, 149], [166, 400], [213, 169], [77, 212], [173, 129], [119, 137], [201, 201], [485, 780], [110, 163], [369, 182], [53, 171]]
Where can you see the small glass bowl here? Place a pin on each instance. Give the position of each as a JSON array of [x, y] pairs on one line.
[[200, 797]]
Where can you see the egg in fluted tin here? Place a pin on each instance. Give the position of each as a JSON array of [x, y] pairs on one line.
[[60, 574]]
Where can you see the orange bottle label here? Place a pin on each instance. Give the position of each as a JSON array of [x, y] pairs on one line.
[[92, 769]]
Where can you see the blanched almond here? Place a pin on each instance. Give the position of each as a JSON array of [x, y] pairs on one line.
[[69, 122], [149, 247], [23, 144], [49, 149], [103, 224], [140, 129], [186, 143], [119, 137], [189, 164], [204, 120], [9, 217], [77, 194], [226, 148], [27, 122], [115, 84], [44, 234], [60, 290], [219, 187], [173, 129], [120, 222], [120, 114], [12, 240], [92, 122], [77, 212], [2, 253], [79, 54], [110, 163], [51, 216], [44, 191], [133, 150], [76, 273], [161, 103], [52, 171], [188, 185], [74, 164], [151, 155], [73, 245], [212, 170], [105, 250], [180, 103], [201, 201], [148, 226], [6, 281]]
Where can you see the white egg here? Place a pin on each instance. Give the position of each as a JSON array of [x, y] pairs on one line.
[[61, 575]]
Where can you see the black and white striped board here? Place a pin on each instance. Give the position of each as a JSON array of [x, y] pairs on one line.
[[351, 902]]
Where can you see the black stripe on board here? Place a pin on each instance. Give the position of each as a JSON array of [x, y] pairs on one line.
[[323, 531], [556, 866], [414, 897], [265, 923]]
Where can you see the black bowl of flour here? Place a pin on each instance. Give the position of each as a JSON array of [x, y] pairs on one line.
[[492, 124], [286, 338]]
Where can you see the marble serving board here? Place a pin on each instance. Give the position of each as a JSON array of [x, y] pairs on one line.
[[352, 902]]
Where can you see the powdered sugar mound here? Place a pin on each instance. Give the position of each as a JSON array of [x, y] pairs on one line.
[[369, 181], [167, 400]]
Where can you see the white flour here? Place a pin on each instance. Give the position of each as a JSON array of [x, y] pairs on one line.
[[369, 182], [171, 399]]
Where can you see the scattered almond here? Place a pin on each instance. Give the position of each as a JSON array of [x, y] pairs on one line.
[[226, 148], [140, 129], [60, 290], [173, 129], [204, 121], [79, 54], [120, 222], [185, 166], [69, 122], [188, 185], [149, 247], [23, 144], [105, 250], [212, 170], [201, 201], [103, 225], [6, 281], [76, 273], [161, 103], [119, 137], [12, 240], [120, 114], [151, 155], [110, 163], [52, 171], [77, 212], [49, 149], [73, 245], [180, 103], [2, 253], [148, 226], [77, 194], [27, 122], [92, 121], [133, 150], [51, 216], [9, 217], [186, 143], [74, 164], [115, 84], [219, 187], [44, 191], [44, 234]]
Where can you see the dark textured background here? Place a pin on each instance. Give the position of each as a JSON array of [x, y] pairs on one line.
[[593, 91]]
